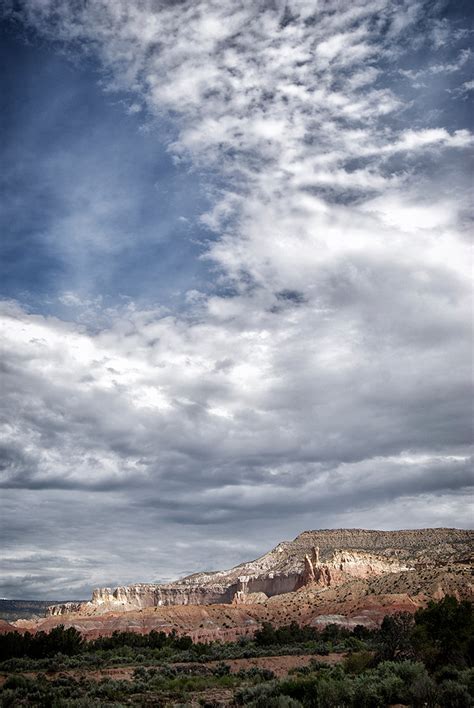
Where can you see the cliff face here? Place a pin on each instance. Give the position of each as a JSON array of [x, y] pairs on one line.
[[65, 608], [144, 595], [321, 559], [346, 565]]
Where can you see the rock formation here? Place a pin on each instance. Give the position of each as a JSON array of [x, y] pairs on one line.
[[344, 565], [318, 559], [252, 598]]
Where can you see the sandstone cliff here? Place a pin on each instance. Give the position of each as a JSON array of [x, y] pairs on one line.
[[320, 559]]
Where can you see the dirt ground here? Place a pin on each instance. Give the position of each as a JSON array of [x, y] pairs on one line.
[[280, 665]]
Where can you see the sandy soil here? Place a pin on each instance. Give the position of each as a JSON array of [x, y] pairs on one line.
[[280, 665]]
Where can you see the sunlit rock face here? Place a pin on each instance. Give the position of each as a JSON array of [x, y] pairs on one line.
[[324, 559], [345, 565], [251, 598]]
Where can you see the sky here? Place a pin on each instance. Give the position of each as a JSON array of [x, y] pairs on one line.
[[235, 294]]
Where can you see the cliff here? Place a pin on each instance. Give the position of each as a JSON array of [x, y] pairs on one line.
[[323, 559]]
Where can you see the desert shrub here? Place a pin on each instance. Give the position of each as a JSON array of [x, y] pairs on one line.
[[14, 682], [8, 698], [320, 648], [446, 673], [367, 691], [140, 674], [300, 670], [326, 689], [354, 644], [302, 688], [393, 690], [358, 662], [281, 702], [335, 692], [466, 677], [258, 696], [454, 695], [422, 692], [407, 670], [221, 669], [256, 673], [396, 678]]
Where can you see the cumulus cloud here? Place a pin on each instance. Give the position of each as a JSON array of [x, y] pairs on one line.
[[325, 377]]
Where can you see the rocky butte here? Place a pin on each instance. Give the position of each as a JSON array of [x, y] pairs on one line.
[[328, 573]]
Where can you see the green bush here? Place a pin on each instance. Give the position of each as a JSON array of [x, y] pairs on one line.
[[454, 695], [358, 662], [334, 692], [14, 682], [423, 692], [8, 698], [393, 690], [280, 702], [367, 692], [258, 696], [466, 677], [303, 688], [255, 673], [221, 669]]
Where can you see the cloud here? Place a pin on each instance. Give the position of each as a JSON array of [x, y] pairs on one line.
[[445, 68], [324, 376]]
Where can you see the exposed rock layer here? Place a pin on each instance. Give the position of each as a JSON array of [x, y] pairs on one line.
[[322, 559]]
